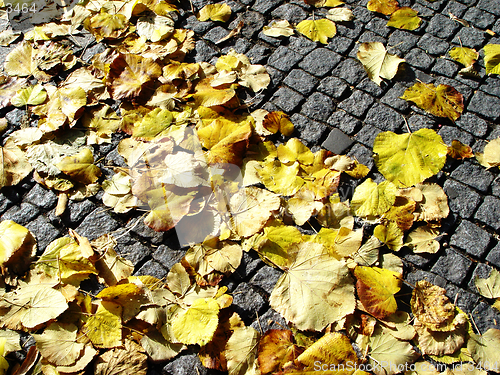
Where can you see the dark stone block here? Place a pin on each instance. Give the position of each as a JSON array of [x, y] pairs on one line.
[[185, 365], [22, 214], [494, 256], [491, 85], [340, 44], [367, 135], [454, 8], [450, 133], [472, 38], [445, 67], [203, 52], [253, 23], [308, 130], [216, 34], [334, 87], [402, 41], [367, 37], [492, 6], [258, 53], [482, 271], [357, 104], [452, 266], [370, 87], [142, 230], [478, 18], [471, 238], [318, 107], [419, 59], [473, 175], [167, 256], [337, 142], [461, 198], [284, 59], [384, 117], [441, 26], [417, 122], [344, 121], [301, 44], [378, 26], [485, 105], [350, 70], [489, 212], [264, 6], [41, 197], [198, 27], [495, 187], [135, 251], [266, 278], [350, 30], [486, 317], [432, 45], [419, 260], [76, 211], [239, 45], [275, 42], [276, 77], [247, 301], [96, 224], [320, 61], [461, 298], [362, 13], [269, 320], [44, 232], [419, 275], [249, 263], [472, 124], [392, 98], [287, 99], [301, 81], [289, 12], [362, 155], [151, 268]]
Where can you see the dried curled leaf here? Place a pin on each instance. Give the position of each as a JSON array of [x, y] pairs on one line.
[[278, 28], [459, 151], [441, 101], [317, 30], [431, 306]]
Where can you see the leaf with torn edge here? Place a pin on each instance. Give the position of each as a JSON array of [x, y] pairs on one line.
[[377, 62]]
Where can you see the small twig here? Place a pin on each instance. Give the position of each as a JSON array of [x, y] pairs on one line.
[[407, 125]]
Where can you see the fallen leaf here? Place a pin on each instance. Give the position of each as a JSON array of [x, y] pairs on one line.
[[317, 30], [459, 151], [423, 240], [278, 28], [490, 286], [492, 58], [241, 352], [215, 12], [276, 348], [407, 159], [340, 15], [405, 18], [127, 360], [80, 167], [17, 247], [33, 95], [376, 288], [104, 327], [372, 199], [441, 101], [390, 234], [14, 165], [484, 348], [491, 154], [154, 27], [431, 307], [386, 7], [465, 56]]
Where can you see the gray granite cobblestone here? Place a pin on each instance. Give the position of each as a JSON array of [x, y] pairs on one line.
[[287, 99], [337, 142], [472, 38], [471, 238], [350, 70], [489, 212], [334, 87], [357, 104], [452, 266], [442, 26], [320, 61], [485, 105], [461, 199], [318, 107], [433, 45], [284, 58], [344, 121], [301, 81], [472, 124], [473, 175], [494, 255], [384, 117]]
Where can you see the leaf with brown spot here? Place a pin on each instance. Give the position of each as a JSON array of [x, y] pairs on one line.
[[459, 151], [386, 7]]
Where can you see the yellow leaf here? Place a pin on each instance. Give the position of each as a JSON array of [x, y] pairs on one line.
[[370, 199], [376, 288], [276, 348], [104, 327], [107, 26], [302, 206], [465, 56], [17, 247], [278, 120], [278, 28], [489, 287], [405, 18], [80, 167], [390, 235], [158, 348], [241, 352], [111, 267], [295, 150], [407, 159], [14, 165], [340, 243], [197, 324], [422, 240], [215, 12], [315, 290], [492, 58], [377, 62], [484, 348], [155, 28], [58, 344], [491, 155], [122, 361], [386, 7], [224, 257], [441, 101], [317, 30], [280, 178], [33, 95]]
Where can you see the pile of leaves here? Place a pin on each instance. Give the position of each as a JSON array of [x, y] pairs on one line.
[[200, 164]]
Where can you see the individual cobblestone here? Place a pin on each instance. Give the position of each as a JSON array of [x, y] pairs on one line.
[[340, 45], [471, 238], [452, 266], [334, 87], [472, 38], [473, 175], [309, 130], [43, 231], [370, 87], [445, 67], [402, 41], [247, 301], [489, 6], [287, 99], [441, 26], [486, 317], [432, 45], [284, 59], [485, 105], [320, 61], [461, 298], [337, 142], [318, 107], [301, 81], [362, 155], [450, 133], [266, 278], [357, 104], [419, 59], [97, 223], [22, 214], [384, 118], [461, 199], [478, 18], [472, 124], [489, 212], [494, 256], [350, 70], [367, 135], [392, 98], [344, 121], [417, 122], [290, 12], [301, 45]]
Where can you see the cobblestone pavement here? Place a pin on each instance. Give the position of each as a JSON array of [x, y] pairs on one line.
[[334, 105]]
